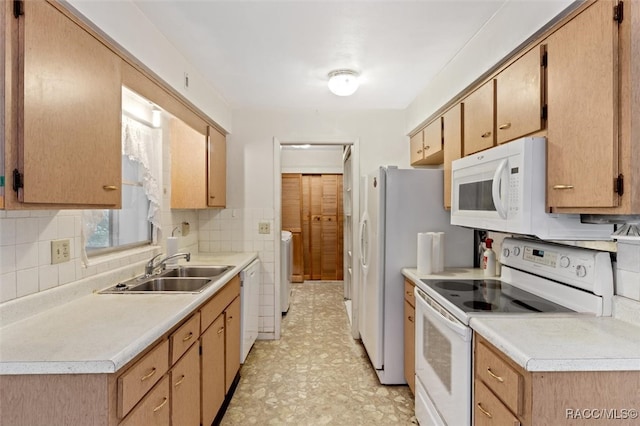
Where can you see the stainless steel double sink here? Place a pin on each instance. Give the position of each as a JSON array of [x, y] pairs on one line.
[[183, 279]]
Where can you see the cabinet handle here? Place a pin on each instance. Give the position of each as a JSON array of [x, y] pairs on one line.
[[505, 126], [164, 402], [212, 196], [221, 330], [485, 412], [426, 148], [492, 374], [179, 382], [562, 186], [109, 187], [187, 337], [486, 134], [410, 318], [229, 319], [408, 293], [149, 374], [419, 151]]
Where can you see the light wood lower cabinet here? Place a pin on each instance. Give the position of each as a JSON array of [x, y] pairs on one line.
[[185, 389], [506, 394], [409, 335], [213, 388], [180, 380]]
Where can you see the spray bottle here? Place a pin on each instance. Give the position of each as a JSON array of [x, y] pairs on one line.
[[489, 259]]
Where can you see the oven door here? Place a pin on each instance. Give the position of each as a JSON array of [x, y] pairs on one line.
[[443, 365]]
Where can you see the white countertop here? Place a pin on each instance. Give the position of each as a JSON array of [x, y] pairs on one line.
[[563, 343], [100, 333]]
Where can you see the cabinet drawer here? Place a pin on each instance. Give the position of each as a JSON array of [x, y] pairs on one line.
[[500, 377], [219, 302], [409, 296], [140, 378], [184, 337], [488, 410], [154, 408]]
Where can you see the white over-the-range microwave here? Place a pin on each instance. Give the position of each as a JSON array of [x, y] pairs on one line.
[[503, 189]]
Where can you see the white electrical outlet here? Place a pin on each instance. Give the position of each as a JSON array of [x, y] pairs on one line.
[[60, 251], [264, 228]]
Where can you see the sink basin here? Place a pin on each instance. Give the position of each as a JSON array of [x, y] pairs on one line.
[[161, 284], [196, 271]]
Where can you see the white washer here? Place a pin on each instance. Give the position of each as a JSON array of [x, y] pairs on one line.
[[286, 267]]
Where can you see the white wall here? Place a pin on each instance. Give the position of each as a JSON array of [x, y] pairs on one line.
[[513, 24], [311, 159]]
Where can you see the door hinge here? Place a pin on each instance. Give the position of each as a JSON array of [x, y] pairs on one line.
[[618, 12], [18, 180], [619, 185], [18, 8], [543, 112], [543, 60]]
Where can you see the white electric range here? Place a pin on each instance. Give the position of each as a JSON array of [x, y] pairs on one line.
[[537, 278]]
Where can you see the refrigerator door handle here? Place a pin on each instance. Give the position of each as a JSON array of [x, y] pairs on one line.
[[364, 242]]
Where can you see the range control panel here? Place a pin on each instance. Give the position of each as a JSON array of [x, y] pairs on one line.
[[579, 267]]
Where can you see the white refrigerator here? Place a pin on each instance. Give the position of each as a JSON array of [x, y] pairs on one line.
[[398, 204]]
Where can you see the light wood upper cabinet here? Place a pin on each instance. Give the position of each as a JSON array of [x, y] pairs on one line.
[[582, 91], [426, 145], [188, 167], [452, 135], [479, 119], [520, 97], [69, 89], [217, 169]]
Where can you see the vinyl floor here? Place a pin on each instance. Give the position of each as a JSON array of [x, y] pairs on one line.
[[316, 374]]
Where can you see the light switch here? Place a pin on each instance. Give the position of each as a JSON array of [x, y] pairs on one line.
[[60, 251]]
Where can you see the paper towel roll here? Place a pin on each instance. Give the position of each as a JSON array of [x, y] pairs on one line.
[[172, 248], [425, 250]]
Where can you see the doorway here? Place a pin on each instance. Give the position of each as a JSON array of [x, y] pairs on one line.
[[348, 168]]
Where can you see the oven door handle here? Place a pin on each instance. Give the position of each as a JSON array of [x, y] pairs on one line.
[[495, 188], [434, 314]]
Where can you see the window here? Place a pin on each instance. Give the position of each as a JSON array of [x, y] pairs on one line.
[[129, 226]]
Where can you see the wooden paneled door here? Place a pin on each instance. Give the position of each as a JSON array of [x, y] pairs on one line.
[[321, 215], [292, 220]]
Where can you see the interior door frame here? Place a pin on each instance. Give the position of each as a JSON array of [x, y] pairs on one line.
[[355, 216]]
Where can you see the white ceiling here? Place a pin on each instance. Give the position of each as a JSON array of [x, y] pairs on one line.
[[277, 54]]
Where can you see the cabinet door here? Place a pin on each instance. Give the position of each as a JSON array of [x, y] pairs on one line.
[[70, 95], [409, 345], [212, 370], [519, 97], [188, 167], [232, 342], [433, 150], [416, 149], [479, 121], [582, 98], [452, 135], [217, 169], [185, 389]]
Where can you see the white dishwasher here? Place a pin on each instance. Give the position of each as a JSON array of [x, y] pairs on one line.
[[249, 307]]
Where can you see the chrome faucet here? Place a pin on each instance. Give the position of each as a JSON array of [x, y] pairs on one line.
[[151, 266]]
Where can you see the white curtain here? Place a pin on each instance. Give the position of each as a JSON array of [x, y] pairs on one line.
[[141, 144]]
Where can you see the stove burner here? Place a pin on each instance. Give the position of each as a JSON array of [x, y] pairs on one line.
[[456, 285], [534, 305], [479, 305]]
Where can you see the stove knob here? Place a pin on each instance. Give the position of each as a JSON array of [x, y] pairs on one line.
[[505, 252], [565, 261], [516, 251], [581, 271]]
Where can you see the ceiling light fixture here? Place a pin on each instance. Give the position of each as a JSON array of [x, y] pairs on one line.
[[343, 82]]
